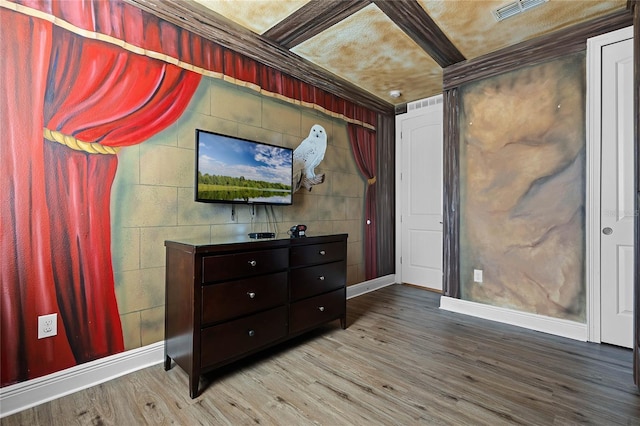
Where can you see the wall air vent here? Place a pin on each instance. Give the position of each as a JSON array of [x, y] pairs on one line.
[[515, 8]]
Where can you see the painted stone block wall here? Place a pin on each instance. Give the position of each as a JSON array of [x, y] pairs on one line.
[[153, 196]]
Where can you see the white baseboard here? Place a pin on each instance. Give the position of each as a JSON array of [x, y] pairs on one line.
[[371, 285], [28, 394], [556, 326]]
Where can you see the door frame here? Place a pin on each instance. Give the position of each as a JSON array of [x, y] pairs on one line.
[[593, 176], [414, 109]]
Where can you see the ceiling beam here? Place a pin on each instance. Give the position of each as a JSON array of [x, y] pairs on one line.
[[311, 19], [202, 21], [417, 24]]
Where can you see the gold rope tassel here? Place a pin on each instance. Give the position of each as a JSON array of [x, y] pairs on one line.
[[371, 181], [78, 145]]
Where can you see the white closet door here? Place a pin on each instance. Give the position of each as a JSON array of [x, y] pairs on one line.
[[421, 198], [617, 204]]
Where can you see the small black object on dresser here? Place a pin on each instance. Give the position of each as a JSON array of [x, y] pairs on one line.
[[262, 235], [228, 300]]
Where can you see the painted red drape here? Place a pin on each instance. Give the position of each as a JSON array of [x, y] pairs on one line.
[[57, 201], [123, 100], [26, 280], [363, 145]]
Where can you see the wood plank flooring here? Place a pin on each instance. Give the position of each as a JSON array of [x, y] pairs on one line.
[[401, 361]]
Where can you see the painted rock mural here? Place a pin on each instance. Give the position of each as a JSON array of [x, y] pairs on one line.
[[523, 189]]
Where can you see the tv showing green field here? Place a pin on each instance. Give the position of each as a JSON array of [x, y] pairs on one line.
[[235, 170]]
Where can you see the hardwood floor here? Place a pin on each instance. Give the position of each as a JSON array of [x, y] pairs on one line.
[[401, 361]]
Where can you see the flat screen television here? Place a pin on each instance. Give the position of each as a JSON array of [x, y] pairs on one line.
[[236, 170]]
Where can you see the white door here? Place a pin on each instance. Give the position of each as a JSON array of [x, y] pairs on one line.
[[421, 198], [617, 207]]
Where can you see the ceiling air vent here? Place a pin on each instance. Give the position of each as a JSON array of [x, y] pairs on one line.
[[512, 9], [423, 103]]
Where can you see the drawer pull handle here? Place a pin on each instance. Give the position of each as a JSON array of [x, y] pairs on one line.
[[253, 263], [321, 277], [322, 252], [321, 308], [252, 333], [251, 295]]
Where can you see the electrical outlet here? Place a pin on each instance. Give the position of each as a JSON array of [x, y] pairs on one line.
[[477, 275], [47, 325]]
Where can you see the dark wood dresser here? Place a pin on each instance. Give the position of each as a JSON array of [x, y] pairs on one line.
[[227, 300]]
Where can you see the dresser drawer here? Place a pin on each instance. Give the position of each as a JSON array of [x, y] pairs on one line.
[[235, 338], [237, 298], [316, 310], [317, 253], [237, 265], [312, 280]]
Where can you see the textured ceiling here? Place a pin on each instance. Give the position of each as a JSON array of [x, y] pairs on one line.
[[368, 48], [256, 15], [470, 25], [366, 44]]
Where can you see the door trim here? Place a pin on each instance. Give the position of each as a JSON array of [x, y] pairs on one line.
[[593, 157]]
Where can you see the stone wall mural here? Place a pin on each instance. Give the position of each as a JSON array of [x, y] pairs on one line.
[[522, 162]]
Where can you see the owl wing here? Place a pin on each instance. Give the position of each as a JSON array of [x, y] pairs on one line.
[[315, 154], [299, 162]]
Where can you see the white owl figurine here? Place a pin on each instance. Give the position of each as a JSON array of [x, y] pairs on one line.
[[306, 158]]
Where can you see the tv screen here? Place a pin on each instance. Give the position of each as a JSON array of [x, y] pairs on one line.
[[235, 170]]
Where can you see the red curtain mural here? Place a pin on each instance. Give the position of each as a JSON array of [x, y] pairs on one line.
[[80, 79], [363, 145], [84, 96], [123, 100], [27, 277]]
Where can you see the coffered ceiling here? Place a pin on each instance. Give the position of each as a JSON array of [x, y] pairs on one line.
[[369, 48]]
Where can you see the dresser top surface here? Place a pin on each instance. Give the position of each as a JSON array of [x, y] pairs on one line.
[[206, 245]]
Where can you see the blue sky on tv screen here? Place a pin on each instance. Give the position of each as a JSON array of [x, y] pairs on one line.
[[225, 156]]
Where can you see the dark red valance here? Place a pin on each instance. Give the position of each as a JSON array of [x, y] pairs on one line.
[[117, 22]]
